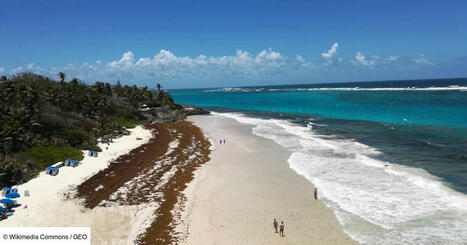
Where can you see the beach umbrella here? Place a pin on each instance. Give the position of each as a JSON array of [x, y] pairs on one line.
[[12, 195], [8, 202]]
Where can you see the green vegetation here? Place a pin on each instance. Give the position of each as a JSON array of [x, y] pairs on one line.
[[124, 122], [43, 121], [90, 148], [45, 156]]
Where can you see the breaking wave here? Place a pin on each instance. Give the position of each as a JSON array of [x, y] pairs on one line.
[[376, 201], [452, 87]]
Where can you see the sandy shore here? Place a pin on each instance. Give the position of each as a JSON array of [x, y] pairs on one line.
[[152, 178], [232, 199], [246, 184], [47, 206], [127, 195]]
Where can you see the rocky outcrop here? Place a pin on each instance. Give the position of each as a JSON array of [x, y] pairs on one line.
[[196, 111], [167, 111]]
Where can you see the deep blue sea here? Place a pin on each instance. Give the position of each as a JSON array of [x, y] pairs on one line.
[[390, 158]]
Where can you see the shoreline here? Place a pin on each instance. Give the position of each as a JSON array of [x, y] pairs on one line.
[[155, 190], [234, 198]]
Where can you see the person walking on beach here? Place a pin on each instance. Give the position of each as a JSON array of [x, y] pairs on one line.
[[316, 193], [224, 141], [281, 229], [220, 141], [275, 224]]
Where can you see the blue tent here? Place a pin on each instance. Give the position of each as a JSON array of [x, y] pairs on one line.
[[92, 153], [51, 170], [12, 195], [8, 202], [71, 163]]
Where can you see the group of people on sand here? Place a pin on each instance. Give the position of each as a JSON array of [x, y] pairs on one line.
[[222, 141], [281, 226]]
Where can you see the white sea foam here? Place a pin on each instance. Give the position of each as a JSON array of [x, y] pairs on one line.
[[377, 202], [461, 88], [230, 90], [452, 87]]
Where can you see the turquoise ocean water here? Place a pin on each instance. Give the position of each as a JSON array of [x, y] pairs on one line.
[[390, 158]]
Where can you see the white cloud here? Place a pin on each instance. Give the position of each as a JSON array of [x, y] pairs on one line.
[[240, 67], [361, 59], [299, 59], [16, 70], [125, 62], [30, 66], [331, 52], [2, 69], [423, 60], [393, 58], [167, 66]]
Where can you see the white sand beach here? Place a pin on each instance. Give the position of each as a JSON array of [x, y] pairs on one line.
[[246, 184], [46, 205], [233, 198]]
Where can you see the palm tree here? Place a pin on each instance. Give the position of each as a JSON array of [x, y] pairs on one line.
[[159, 87], [62, 76]]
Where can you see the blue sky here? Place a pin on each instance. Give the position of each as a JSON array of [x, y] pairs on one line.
[[235, 43]]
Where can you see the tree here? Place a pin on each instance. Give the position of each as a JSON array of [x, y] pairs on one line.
[[108, 89], [74, 82], [62, 76], [39, 111], [3, 78]]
